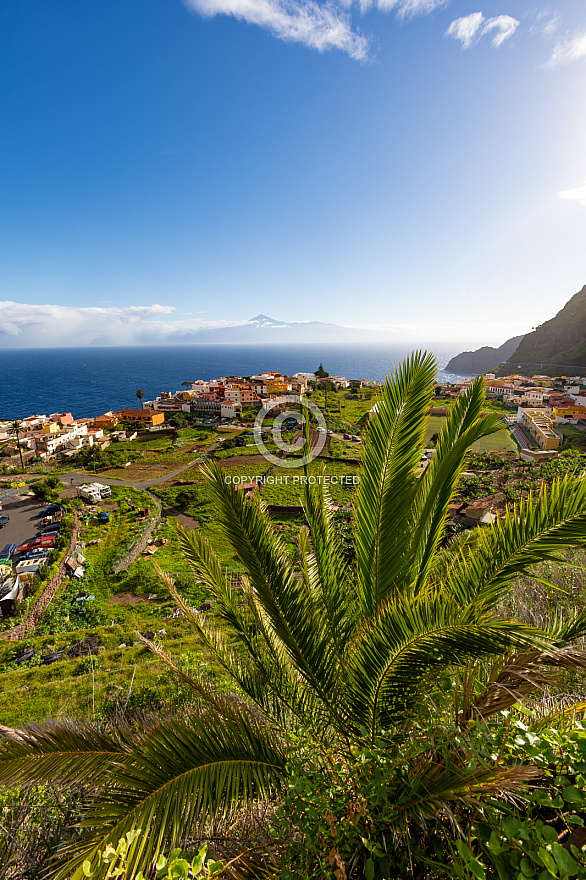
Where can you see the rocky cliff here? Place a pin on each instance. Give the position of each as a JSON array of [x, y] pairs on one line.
[[558, 346], [483, 359]]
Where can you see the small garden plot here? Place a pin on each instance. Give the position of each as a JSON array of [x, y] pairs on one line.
[[255, 465], [149, 468], [249, 449], [502, 441], [284, 486]]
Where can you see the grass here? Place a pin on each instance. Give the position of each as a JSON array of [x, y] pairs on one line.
[[287, 484], [65, 688], [499, 442]]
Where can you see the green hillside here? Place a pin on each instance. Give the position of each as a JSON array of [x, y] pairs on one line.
[[558, 346]]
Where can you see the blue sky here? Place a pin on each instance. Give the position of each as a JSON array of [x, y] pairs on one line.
[[414, 165]]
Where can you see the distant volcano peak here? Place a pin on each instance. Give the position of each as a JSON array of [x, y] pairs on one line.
[[264, 319]]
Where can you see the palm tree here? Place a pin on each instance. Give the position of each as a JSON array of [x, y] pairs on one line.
[[14, 429], [333, 654], [140, 395]]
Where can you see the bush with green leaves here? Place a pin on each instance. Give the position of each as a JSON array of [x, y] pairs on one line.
[[374, 813], [112, 863], [48, 489]]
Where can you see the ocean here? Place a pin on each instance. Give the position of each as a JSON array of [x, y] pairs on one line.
[[90, 381]]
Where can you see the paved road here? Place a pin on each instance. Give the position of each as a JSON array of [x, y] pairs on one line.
[[24, 520], [76, 478]]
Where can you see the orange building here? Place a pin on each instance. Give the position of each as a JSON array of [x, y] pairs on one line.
[[145, 416]]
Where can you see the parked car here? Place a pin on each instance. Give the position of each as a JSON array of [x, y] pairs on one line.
[[51, 509], [44, 541], [8, 551], [347, 436], [104, 516], [40, 551], [4, 520], [356, 438], [48, 530]]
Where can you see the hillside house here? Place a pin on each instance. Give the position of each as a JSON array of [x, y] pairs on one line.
[[539, 426]]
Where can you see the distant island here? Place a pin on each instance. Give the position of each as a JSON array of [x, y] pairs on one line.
[[557, 346], [262, 329]]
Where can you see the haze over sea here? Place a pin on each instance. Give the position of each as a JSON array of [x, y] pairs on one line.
[[89, 381]]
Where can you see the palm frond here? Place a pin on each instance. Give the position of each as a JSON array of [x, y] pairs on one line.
[[262, 672], [531, 532], [68, 752], [437, 789], [517, 676], [325, 568], [464, 426], [181, 773], [392, 658], [387, 487], [287, 605]]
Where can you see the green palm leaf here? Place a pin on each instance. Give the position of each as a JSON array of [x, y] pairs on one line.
[[61, 751], [382, 508], [288, 606], [324, 567], [530, 533], [464, 426], [393, 656], [171, 778]]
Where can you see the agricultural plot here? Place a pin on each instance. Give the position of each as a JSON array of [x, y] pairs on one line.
[[284, 486], [499, 442]]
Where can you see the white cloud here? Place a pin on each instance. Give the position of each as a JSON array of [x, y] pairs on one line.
[[573, 48], [410, 8], [546, 23], [27, 325], [466, 28], [469, 29], [574, 195], [318, 26], [504, 25]]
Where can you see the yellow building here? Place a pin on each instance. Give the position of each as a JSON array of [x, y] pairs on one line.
[[277, 385], [569, 412], [539, 426]]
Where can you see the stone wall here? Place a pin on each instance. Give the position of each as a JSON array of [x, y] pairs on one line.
[[140, 544]]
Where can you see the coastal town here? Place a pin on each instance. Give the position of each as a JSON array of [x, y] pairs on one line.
[[60, 435], [535, 408]]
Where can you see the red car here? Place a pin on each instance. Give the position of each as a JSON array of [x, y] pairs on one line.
[[45, 541]]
